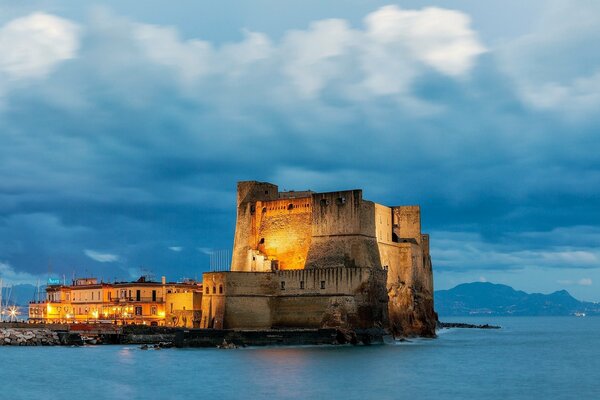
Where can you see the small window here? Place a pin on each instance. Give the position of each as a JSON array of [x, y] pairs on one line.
[[341, 200], [138, 310], [262, 241], [252, 209], [207, 290], [266, 192], [324, 202], [220, 289], [153, 309], [290, 206], [301, 284], [282, 285], [214, 289], [264, 209], [322, 284]]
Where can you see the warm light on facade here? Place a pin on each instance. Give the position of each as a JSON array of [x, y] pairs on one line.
[[138, 302]]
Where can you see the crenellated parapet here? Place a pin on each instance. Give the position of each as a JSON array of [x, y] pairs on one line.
[[284, 240]]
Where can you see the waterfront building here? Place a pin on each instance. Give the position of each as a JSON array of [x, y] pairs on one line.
[[141, 302]]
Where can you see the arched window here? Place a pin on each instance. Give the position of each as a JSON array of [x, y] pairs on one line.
[[220, 289]]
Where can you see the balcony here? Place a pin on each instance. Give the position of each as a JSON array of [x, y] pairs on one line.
[[134, 299]]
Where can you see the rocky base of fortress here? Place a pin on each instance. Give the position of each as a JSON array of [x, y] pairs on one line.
[[411, 312]]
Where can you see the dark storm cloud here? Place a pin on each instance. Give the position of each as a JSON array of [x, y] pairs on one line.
[[130, 146]]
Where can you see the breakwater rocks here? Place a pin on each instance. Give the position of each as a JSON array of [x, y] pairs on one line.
[[28, 337], [278, 337], [446, 325]]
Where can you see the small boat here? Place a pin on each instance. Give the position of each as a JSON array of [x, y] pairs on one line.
[[580, 314]]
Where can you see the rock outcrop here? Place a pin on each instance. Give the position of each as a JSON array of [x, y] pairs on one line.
[[28, 337]]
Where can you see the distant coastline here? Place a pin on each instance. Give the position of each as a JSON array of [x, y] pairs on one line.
[[489, 299]]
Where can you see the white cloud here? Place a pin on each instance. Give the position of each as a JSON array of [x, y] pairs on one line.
[[580, 282], [555, 67], [469, 251], [382, 58], [11, 277], [440, 38], [385, 56], [101, 257], [31, 46], [176, 249], [191, 59], [585, 282]]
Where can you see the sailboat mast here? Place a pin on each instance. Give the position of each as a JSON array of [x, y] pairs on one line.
[[1, 314]]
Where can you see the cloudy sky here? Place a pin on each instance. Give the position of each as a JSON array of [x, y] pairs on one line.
[[124, 128]]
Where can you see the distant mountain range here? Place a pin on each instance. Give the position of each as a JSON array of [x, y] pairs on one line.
[[484, 298]]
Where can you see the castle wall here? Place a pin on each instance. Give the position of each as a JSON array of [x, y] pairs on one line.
[[331, 297], [234, 300], [248, 193], [309, 238], [407, 222], [343, 231], [283, 231], [295, 298]]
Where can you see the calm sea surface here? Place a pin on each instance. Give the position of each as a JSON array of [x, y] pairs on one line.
[[529, 358]]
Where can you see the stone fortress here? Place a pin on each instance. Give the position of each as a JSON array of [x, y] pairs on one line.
[[319, 260]]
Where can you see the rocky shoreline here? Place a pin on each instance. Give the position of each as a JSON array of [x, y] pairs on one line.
[[28, 337]]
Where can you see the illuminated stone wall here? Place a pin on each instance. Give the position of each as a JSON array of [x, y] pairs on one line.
[[353, 297], [299, 232], [183, 309]]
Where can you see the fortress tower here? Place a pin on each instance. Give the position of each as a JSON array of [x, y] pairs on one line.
[[306, 259]]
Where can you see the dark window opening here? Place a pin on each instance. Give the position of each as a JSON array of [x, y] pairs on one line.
[[322, 284], [154, 295], [324, 202], [252, 209], [207, 290], [266, 192], [341, 200], [138, 311], [262, 241], [138, 295], [264, 209], [220, 289], [301, 284], [290, 206], [282, 285], [214, 289]]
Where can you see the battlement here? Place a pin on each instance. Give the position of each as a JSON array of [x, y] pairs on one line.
[[301, 235]]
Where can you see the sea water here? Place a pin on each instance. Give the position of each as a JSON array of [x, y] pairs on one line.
[[529, 358]]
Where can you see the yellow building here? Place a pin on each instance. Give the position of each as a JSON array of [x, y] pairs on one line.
[[140, 302]]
